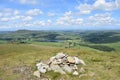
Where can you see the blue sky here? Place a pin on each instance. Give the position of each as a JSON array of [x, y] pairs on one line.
[[59, 14]]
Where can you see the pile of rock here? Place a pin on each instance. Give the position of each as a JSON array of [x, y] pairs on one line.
[[61, 63]]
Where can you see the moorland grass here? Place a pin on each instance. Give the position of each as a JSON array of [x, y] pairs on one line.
[[104, 65]]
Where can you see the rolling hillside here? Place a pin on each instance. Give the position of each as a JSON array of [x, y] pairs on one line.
[[102, 58]]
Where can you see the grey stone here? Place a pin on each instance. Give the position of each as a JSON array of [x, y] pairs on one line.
[[60, 55], [79, 61], [75, 73], [67, 68], [57, 61], [37, 74], [70, 59], [64, 60], [61, 63], [52, 59], [57, 68], [74, 67], [42, 67]]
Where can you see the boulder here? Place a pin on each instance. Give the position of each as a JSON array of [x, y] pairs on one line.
[[70, 59], [57, 61], [61, 63], [60, 55], [75, 73], [74, 67], [67, 68], [79, 61], [57, 68], [64, 60], [42, 67], [52, 59], [36, 73]]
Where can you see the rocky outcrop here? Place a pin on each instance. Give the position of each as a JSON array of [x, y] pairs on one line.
[[61, 63]]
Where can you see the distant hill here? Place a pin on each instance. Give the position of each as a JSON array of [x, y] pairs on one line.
[[51, 36], [21, 31], [3, 32], [102, 37]]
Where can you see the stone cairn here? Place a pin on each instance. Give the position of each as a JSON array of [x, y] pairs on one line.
[[61, 63]]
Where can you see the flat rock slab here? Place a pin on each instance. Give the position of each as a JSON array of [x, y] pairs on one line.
[[57, 68], [67, 68]]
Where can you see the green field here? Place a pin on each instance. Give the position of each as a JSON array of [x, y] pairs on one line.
[[102, 59]]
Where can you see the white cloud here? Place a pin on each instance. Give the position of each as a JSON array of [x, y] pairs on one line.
[[26, 24], [49, 22], [28, 1], [34, 12], [69, 13], [16, 12], [39, 23], [1, 14], [5, 26], [67, 19], [7, 10], [23, 1], [51, 14], [99, 5], [78, 21], [105, 19], [27, 18], [42, 23], [103, 5], [102, 19], [12, 18], [117, 2], [7, 14], [4, 19], [16, 17], [84, 8]]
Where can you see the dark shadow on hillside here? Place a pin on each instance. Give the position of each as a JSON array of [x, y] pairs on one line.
[[99, 47], [102, 37]]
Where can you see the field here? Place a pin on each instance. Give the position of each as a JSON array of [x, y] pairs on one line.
[[101, 64]]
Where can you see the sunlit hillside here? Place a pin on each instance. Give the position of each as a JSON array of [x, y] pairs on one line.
[[102, 59]]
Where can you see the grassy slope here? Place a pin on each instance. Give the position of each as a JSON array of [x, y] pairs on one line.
[[105, 65], [2, 42], [55, 44], [114, 45]]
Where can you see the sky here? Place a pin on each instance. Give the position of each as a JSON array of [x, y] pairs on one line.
[[59, 14]]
